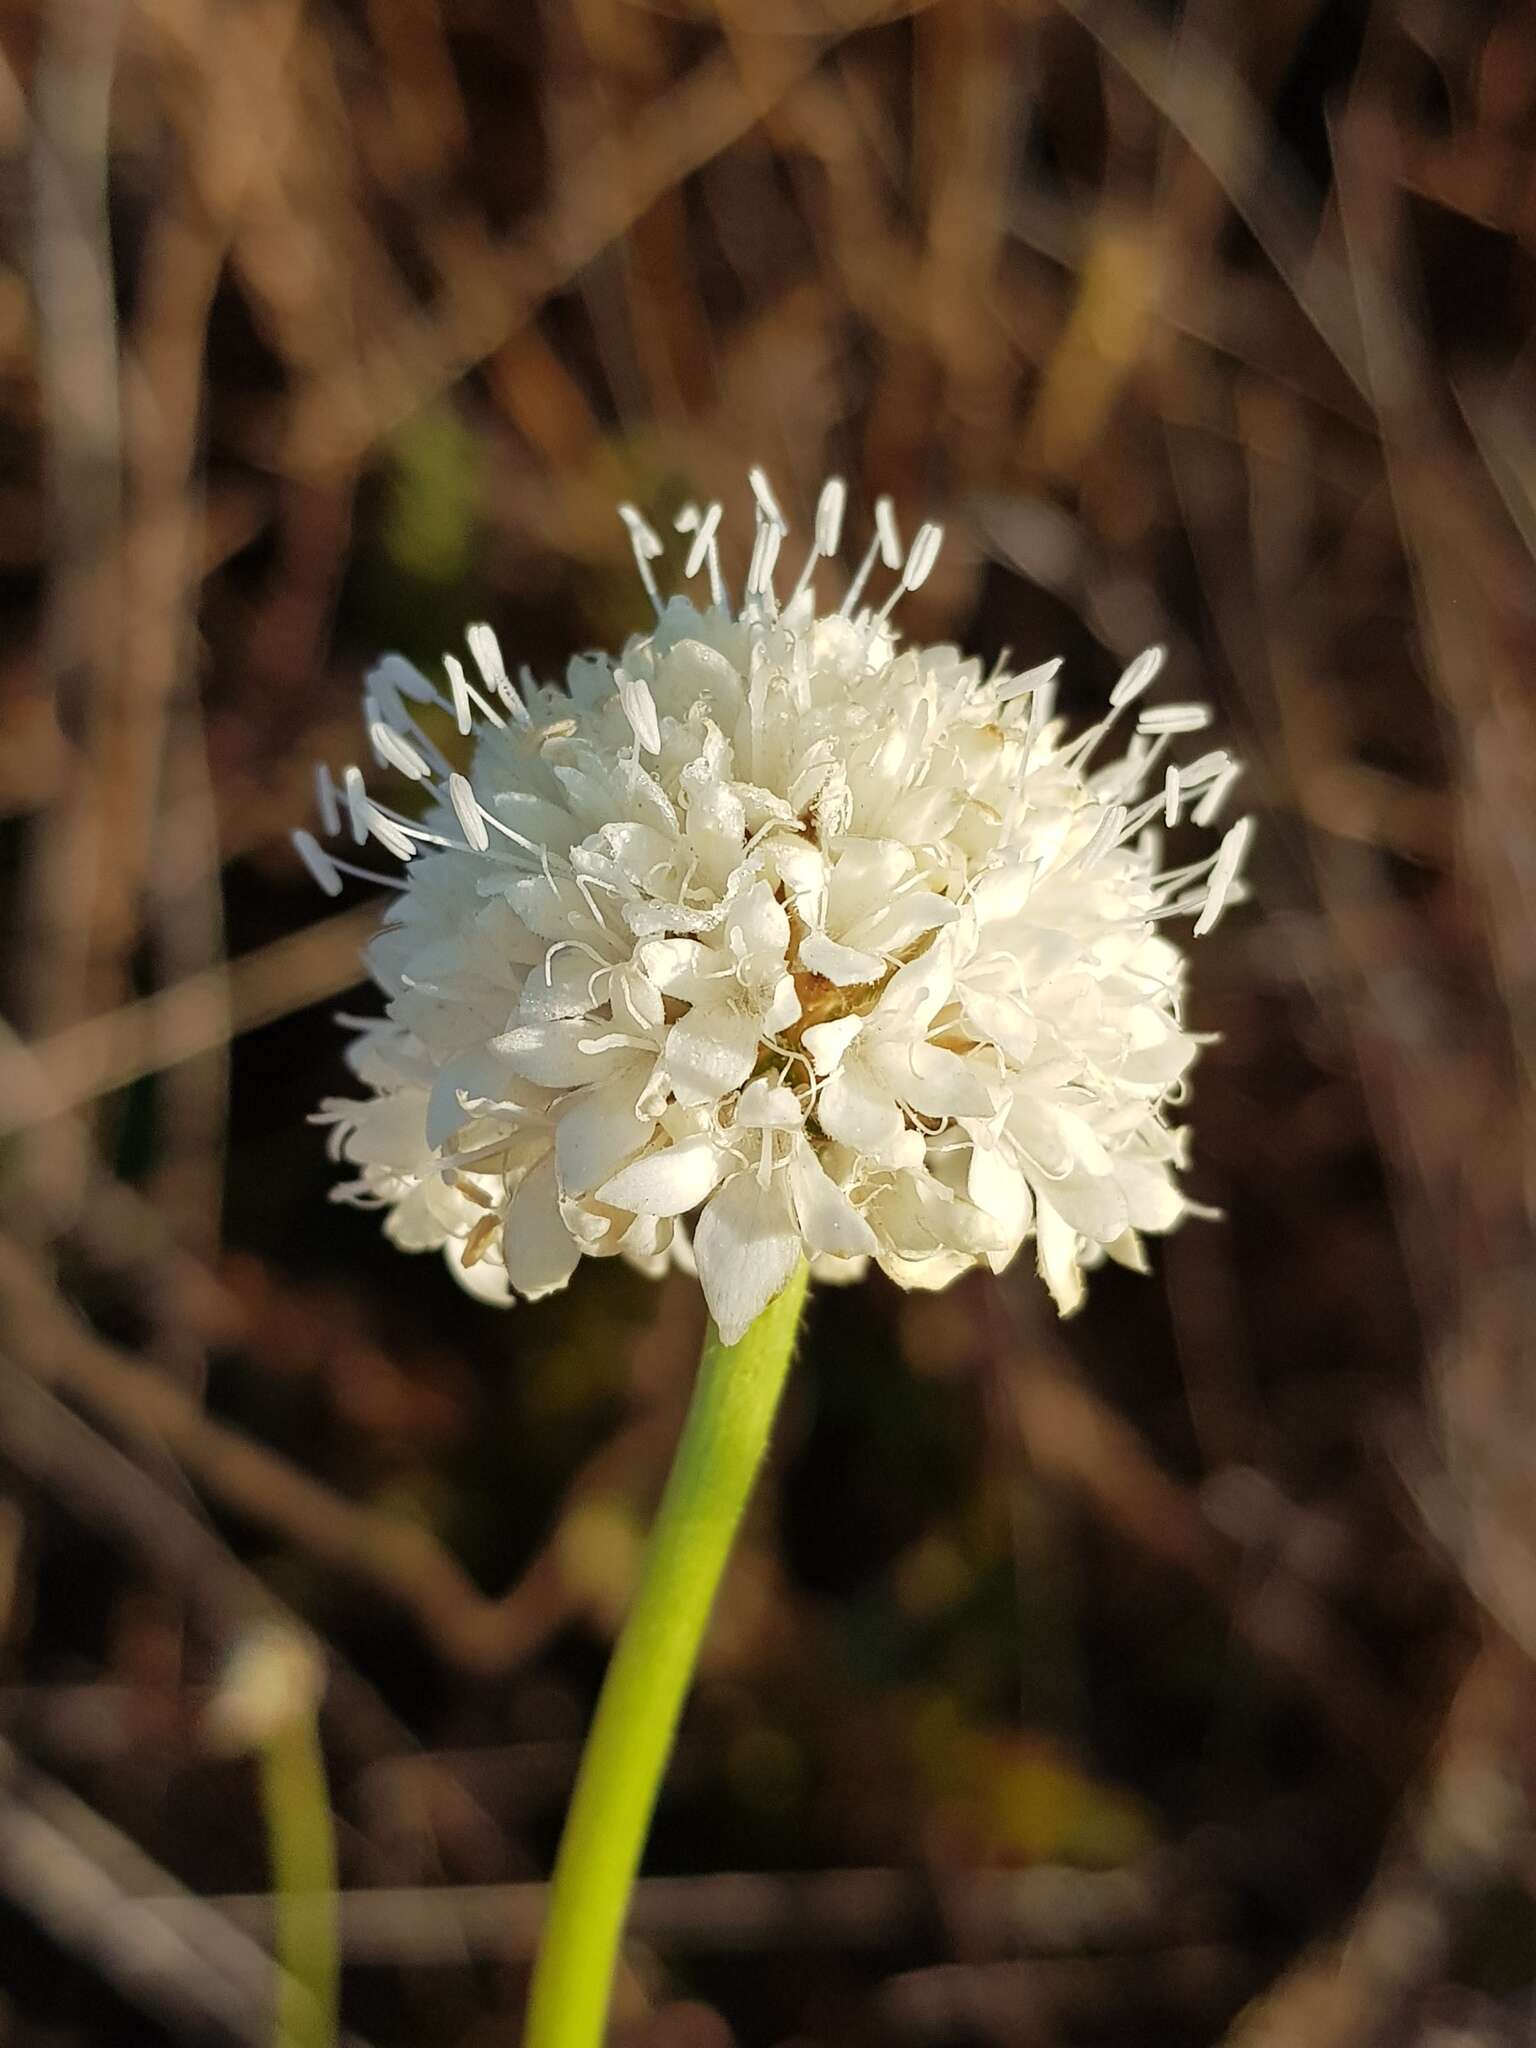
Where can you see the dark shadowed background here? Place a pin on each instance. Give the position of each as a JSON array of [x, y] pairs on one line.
[[1156, 1679]]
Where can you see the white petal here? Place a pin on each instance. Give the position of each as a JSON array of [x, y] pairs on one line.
[[1002, 1020], [1034, 1128], [1003, 893], [675, 966], [599, 1129], [1059, 1268], [828, 1220], [389, 1131], [639, 708], [764, 1105], [857, 1111], [693, 672], [826, 1043], [930, 1274], [645, 857], [783, 1007], [682, 1251], [802, 869], [894, 928], [479, 1077], [709, 1052], [553, 907], [1093, 1204], [1128, 1251], [1088, 1148], [935, 1082], [540, 1252], [636, 1003], [560, 986], [828, 1271], [1156, 1063], [844, 966], [915, 994], [486, 1280], [746, 1248], [557, 1055], [667, 1183], [415, 1226], [999, 1189], [758, 925], [1152, 1200], [865, 875]]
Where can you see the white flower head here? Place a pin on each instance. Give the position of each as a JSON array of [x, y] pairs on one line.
[[772, 938]]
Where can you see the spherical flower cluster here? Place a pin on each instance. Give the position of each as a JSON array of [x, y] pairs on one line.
[[773, 939]]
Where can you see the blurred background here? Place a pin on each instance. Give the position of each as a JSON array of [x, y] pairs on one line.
[[1160, 1678]]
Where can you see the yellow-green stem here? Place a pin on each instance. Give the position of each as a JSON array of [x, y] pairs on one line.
[[726, 1434], [301, 1850]]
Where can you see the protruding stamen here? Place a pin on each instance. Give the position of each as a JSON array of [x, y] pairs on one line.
[[1042, 709], [918, 566], [393, 678], [321, 867], [767, 503], [384, 704], [827, 533], [704, 549], [1142, 671], [467, 810], [923, 555], [1172, 718], [1105, 834], [325, 800], [1229, 858], [1171, 794], [703, 533], [830, 507], [885, 547], [486, 649], [465, 694], [646, 545], [395, 751], [765, 554], [370, 875], [1196, 774], [389, 834], [355, 791], [1208, 809], [1031, 679], [887, 533], [458, 684]]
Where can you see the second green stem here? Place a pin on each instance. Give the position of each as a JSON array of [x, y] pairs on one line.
[[302, 1847]]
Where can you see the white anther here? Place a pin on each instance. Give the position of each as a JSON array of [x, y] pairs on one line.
[[321, 867], [467, 810], [1142, 671]]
